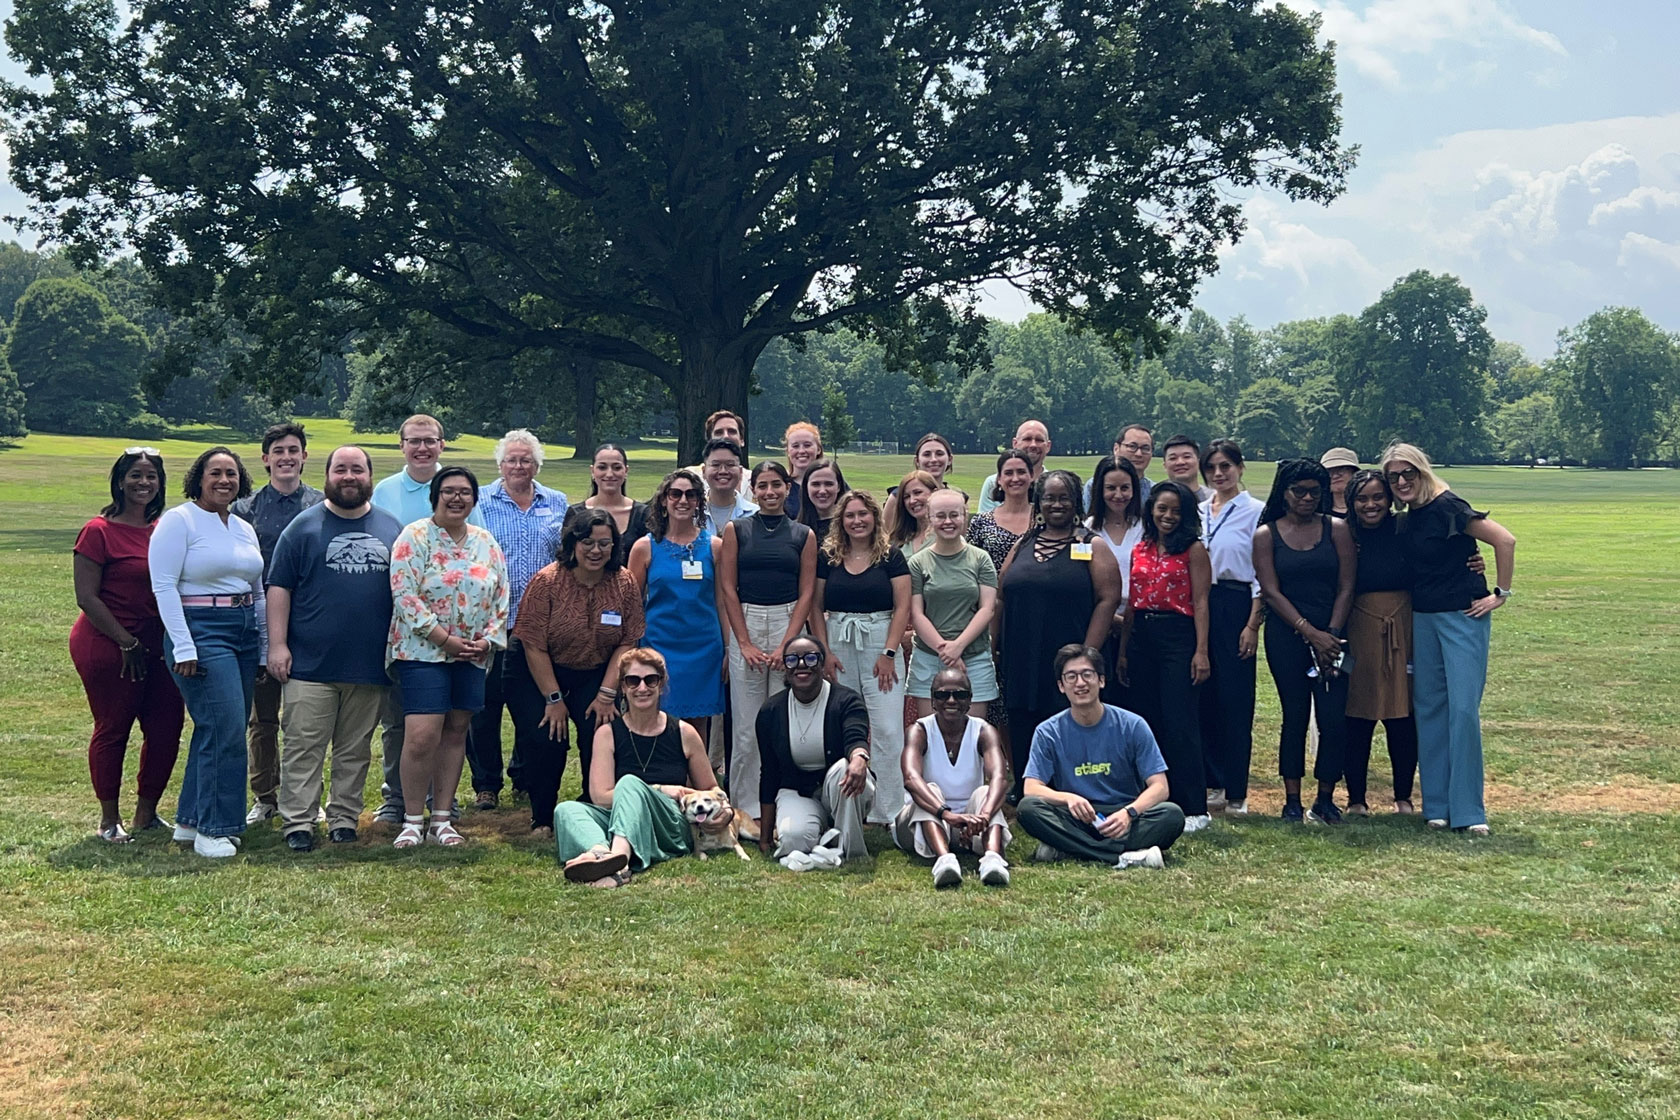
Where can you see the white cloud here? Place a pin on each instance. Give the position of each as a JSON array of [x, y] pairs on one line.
[[1378, 39]]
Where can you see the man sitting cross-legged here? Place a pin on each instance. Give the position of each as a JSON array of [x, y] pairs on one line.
[[955, 775], [1096, 785]]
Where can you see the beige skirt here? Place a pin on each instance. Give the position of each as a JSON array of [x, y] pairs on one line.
[[1380, 638]]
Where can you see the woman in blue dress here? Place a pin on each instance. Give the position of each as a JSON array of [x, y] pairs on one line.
[[675, 565]]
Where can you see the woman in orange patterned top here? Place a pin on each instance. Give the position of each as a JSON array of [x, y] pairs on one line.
[[449, 596]]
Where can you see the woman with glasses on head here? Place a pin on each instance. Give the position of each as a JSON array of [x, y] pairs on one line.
[[1306, 564], [768, 572], [116, 645], [609, 482], [206, 573], [578, 617], [1165, 652], [1452, 628], [449, 608], [1229, 520], [675, 565], [641, 765]]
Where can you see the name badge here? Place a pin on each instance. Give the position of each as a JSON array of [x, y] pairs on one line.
[[611, 618], [1082, 551], [691, 570]]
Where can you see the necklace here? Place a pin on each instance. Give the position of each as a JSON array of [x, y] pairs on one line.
[[951, 752], [781, 519], [814, 708], [642, 761]]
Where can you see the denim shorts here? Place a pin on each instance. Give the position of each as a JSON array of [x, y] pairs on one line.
[[982, 675], [435, 687]]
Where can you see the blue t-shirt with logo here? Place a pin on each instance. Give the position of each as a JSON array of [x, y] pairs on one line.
[[339, 573], [1106, 764]]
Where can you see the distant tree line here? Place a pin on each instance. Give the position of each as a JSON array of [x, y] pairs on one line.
[[90, 352]]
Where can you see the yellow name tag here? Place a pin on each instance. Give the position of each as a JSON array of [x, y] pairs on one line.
[[691, 570], [1082, 552]]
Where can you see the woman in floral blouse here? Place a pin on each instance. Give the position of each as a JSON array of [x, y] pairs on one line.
[[449, 592]]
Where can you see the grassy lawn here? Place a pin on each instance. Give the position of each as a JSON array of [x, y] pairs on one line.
[[1375, 969]]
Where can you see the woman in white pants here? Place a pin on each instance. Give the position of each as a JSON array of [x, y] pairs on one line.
[[767, 574], [862, 605]]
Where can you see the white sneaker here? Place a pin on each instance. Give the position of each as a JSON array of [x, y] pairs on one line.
[[1236, 808], [1047, 854], [185, 834], [994, 870], [260, 811], [215, 847], [946, 871], [1148, 857], [1216, 800], [1197, 822]]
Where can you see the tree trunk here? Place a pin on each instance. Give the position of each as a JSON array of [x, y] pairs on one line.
[[714, 375], [585, 371]]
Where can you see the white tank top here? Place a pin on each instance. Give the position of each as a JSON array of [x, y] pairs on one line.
[[956, 780]]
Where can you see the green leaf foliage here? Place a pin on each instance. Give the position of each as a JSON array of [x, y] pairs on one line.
[[1616, 374], [78, 362]]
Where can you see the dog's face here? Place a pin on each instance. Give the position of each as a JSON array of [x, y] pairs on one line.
[[706, 808]]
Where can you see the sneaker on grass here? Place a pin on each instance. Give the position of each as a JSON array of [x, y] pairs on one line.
[[1147, 857], [946, 871], [1046, 854], [994, 870]]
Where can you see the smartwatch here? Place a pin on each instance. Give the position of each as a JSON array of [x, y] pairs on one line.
[[889, 654], [1501, 593], [1132, 813], [553, 697]]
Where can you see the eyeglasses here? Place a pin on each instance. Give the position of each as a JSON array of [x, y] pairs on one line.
[[512, 462], [952, 694], [640, 680], [455, 492], [1305, 492], [1073, 675], [683, 495], [1136, 447], [1408, 474], [802, 660], [142, 451], [422, 441], [593, 544]]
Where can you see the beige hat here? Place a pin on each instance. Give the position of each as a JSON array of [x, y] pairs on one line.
[[1339, 457]]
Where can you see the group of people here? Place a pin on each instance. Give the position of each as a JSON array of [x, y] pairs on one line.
[[1076, 659]]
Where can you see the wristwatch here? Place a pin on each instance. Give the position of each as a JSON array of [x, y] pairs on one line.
[[553, 697], [1502, 592], [889, 654], [1132, 813]]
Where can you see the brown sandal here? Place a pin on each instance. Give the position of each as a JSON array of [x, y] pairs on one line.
[[597, 863], [1408, 811]]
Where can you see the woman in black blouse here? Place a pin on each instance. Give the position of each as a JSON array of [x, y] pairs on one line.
[[609, 478], [863, 604], [1451, 631], [767, 576]]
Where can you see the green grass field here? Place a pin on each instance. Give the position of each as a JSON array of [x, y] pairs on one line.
[[1371, 970]]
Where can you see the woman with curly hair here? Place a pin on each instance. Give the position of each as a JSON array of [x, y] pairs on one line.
[[1306, 564], [116, 645], [863, 605], [206, 572]]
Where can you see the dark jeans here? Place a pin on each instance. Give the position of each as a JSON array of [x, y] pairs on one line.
[[1402, 755], [1022, 723], [1289, 658], [545, 757], [1113, 692], [1227, 715], [218, 697], [509, 673], [1050, 822], [1158, 661]]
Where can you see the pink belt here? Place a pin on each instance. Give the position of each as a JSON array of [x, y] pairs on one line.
[[244, 599]]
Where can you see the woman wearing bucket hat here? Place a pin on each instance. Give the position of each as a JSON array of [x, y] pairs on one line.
[[1342, 464]]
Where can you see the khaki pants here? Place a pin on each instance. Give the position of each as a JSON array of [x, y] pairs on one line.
[[344, 716], [801, 821], [907, 826], [262, 740]]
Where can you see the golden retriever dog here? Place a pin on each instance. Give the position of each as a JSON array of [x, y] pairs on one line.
[[712, 824]]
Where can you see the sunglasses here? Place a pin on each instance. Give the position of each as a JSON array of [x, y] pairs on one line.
[[683, 495], [142, 451], [802, 660], [640, 680], [1305, 492], [1410, 474], [952, 694]]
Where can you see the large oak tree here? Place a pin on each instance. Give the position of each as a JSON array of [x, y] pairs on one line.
[[667, 184]]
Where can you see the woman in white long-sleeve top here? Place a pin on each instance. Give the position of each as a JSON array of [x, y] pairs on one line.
[[206, 570]]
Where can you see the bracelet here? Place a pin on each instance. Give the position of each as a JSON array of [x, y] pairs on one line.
[[609, 693], [130, 648], [1301, 623]]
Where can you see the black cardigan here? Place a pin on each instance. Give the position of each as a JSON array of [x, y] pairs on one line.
[[845, 729]]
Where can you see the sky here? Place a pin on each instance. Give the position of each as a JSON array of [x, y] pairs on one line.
[[1529, 147]]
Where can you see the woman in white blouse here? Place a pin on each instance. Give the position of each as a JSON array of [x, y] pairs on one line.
[[1117, 516], [206, 571], [1229, 519]]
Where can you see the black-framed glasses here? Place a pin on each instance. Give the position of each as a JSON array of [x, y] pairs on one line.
[[455, 492], [1407, 474], [422, 441], [1072, 675], [640, 680], [1136, 447], [595, 544], [952, 694], [808, 660]]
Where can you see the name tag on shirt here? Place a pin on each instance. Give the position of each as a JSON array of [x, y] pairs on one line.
[[691, 570], [611, 618], [1082, 551]]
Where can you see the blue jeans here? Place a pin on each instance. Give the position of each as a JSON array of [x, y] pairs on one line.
[[1449, 671], [218, 699]]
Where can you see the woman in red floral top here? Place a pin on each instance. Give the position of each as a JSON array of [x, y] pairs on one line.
[[1164, 651], [449, 596]]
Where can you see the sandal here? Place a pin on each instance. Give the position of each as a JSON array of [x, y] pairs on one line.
[[1479, 830], [115, 834], [413, 831], [444, 833], [597, 863], [1403, 806], [606, 882]]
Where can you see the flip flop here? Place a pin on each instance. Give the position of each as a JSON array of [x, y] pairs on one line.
[[114, 835], [589, 867]]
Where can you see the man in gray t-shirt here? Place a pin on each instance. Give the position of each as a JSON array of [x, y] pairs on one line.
[[329, 609], [1096, 785]]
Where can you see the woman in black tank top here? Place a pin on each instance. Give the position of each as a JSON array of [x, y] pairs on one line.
[[1306, 563], [643, 764]]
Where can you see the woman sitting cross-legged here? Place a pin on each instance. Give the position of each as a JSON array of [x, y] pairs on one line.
[[642, 765], [814, 745]]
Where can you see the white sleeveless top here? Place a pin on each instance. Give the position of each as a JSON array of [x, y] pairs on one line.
[[958, 780]]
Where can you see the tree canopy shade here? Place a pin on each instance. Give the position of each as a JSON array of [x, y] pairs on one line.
[[77, 360], [1617, 372], [668, 184]]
